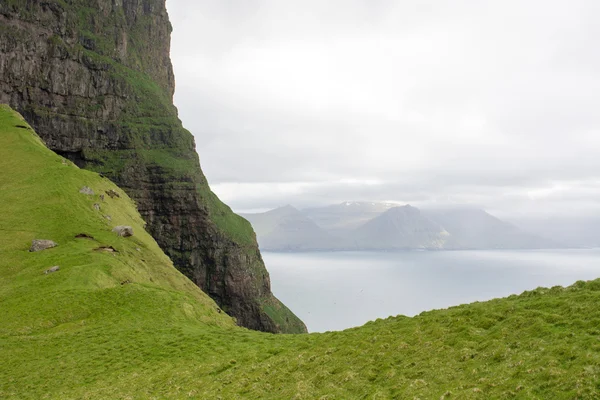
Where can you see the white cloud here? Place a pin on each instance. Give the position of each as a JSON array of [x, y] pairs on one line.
[[305, 102]]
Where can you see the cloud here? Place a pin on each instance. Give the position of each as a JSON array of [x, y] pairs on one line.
[[311, 102]]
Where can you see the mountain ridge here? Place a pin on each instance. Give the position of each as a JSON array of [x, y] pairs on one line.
[[388, 226], [400, 228], [288, 229]]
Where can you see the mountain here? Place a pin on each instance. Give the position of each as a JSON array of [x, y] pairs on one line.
[[400, 228], [340, 218], [384, 226], [476, 229], [288, 229], [94, 78], [572, 231]]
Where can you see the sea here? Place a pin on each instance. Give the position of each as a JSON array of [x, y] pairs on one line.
[[332, 291]]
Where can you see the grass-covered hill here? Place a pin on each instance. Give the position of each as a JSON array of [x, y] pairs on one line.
[[124, 324]]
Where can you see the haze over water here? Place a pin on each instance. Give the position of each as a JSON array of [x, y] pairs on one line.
[[339, 290]]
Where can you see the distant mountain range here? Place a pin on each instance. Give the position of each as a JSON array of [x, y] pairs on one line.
[[386, 226], [288, 229], [581, 232], [476, 229]]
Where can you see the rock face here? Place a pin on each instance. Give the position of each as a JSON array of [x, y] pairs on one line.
[[41, 244], [94, 78]]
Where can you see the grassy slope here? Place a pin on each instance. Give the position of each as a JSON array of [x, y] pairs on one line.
[[151, 136], [79, 333]]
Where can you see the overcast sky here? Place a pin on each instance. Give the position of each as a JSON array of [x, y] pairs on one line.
[[489, 103]]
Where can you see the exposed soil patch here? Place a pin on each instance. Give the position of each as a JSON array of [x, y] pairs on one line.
[[107, 249]]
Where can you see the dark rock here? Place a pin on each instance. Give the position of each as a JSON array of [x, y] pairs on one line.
[[51, 270], [84, 236], [42, 244], [86, 190], [123, 230], [112, 193], [102, 197]]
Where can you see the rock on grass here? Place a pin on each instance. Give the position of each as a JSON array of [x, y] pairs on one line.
[[86, 190], [123, 230], [41, 244], [51, 270]]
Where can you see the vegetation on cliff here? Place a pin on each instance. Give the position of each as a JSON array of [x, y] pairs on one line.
[[94, 79], [125, 324]]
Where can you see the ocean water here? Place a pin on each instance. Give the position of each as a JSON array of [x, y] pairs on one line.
[[338, 290]]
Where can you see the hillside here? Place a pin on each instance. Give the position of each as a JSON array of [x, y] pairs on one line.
[[94, 78], [125, 324]]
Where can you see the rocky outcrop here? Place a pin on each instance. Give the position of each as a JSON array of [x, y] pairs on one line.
[[94, 78], [41, 244]]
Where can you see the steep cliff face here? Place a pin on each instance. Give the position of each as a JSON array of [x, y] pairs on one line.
[[94, 78]]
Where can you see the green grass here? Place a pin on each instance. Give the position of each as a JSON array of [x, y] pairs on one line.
[[133, 106], [80, 334], [148, 122]]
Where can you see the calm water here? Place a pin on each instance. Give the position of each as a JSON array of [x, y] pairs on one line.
[[339, 290]]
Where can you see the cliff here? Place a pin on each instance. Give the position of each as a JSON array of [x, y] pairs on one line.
[[94, 79]]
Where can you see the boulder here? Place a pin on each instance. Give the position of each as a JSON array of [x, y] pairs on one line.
[[42, 244], [96, 206], [86, 190], [123, 230], [51, 270]]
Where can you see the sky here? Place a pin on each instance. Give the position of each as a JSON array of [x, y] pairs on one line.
[[493, 104]]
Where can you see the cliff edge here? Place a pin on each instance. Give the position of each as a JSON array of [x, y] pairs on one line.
[[94, 79]]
